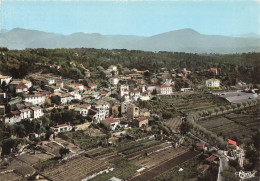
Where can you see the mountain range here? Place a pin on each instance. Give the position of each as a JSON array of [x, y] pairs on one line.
[[183, 40]]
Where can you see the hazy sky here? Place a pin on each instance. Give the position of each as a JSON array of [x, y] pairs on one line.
[[132, 17]]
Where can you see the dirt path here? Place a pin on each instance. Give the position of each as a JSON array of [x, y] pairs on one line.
[[156, 171]]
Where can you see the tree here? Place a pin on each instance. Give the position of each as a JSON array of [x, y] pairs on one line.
[[120, 68], [47, 102], [229, 173], [115, 112], [63, 151]]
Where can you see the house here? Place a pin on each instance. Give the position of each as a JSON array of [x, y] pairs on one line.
[[83, 109], [92, 86], [14, 117], [75, 95], [112, 67], [36, 99], [201, 146], [124, 89], [141, 121], [65, 98], [113, 80], [164, 89], [111, 123], [21, 87], [77, 86], [213, 83], [145, 97], [185, 72], [52, 88], [102, 107], [36, 112], [6, 79], [214, 70], [231, 142], [26, 113], [145, 112], [132, 111], [62, 128], [186, 89], [135, 94], [211, 159]]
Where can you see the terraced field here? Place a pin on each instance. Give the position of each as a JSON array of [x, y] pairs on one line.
[[76, 169], [235, 125]]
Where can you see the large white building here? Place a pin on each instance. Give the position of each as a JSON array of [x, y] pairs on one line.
[[164, 89], [36, 99], [212, 83]]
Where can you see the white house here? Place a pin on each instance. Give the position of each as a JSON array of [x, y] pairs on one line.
[[26, 113], [77, 86], [113, 80], [213, 83], [124, 89], [111, 123], [37, 112], [21, 87], [62, 128], [103, 108], [83, 109], [36, 99], [113, 67], [164, 89], [135, 94], [92, 85], [15, 117]]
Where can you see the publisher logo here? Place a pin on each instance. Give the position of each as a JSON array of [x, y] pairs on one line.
[[246, 175]]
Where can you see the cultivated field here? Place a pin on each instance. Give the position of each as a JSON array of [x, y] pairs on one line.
[[76, 169], [239, 125]]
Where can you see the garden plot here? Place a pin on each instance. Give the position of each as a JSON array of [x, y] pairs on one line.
[[35, 158], [157, 158], [76, 169]]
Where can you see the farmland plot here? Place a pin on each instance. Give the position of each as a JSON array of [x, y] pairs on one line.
[[76, 169]]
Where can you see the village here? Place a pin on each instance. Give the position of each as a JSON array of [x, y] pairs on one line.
[[134, 125]]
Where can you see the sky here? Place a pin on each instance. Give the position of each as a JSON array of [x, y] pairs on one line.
[[129, 17]]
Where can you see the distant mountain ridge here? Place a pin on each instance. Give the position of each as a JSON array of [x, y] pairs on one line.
[[184, 40]]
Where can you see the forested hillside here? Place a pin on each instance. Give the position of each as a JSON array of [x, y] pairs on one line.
[[18, 63]]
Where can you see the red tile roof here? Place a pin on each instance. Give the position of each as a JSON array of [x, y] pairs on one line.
[[111, 120], [25, 110], [36, 107], [164, 86], [84, 106], [61, 125], [92, 84], [15, 112], [200, 144], [232, 142], [77, 85], [21, 85], [211, 158], [103, 92], [141, 118]]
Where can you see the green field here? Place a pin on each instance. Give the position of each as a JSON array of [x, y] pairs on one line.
[[240, 125]]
